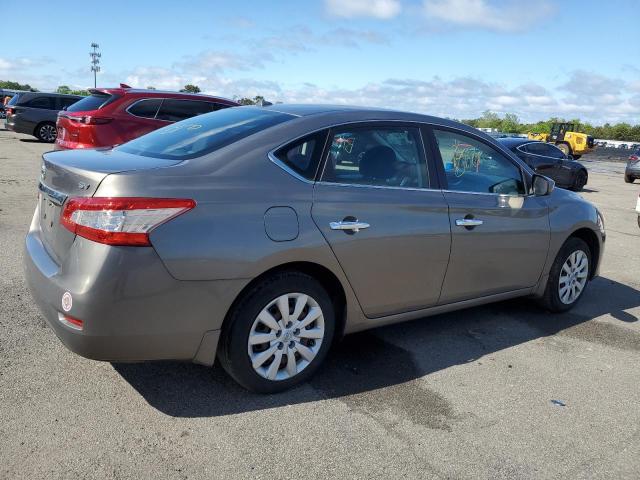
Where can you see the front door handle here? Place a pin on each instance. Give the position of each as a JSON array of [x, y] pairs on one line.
[[468, 222], [353, 226]]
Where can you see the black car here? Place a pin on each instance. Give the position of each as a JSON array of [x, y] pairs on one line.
[[548, 160], [35, 113]]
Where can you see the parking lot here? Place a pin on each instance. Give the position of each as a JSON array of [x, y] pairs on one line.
[[500, 391]]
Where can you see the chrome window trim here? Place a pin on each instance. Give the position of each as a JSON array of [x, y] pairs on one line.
[[286, 167], [162, 99], [418, 124], [381, 187], [537, 154], [142, 100]]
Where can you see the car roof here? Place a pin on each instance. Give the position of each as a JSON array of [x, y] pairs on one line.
[[354, 113], [513, 142], [146, 92]]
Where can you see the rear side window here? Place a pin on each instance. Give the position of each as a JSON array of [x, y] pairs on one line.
[[40, 102], [198, 136], [174, 110], [303, 156], [376, 156], [146, 108], [92, 102]]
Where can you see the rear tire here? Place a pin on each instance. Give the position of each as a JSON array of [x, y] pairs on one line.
[[628, 179], [580, 181], [256, 334], [569, 276], [577, 157], [46, 132]]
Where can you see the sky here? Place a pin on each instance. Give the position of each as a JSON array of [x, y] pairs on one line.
[[450, 58]]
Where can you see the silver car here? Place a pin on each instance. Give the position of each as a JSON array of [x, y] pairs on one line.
[[263, 235]]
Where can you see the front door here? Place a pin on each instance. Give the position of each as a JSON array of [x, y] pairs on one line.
[[388, 229], [500, 235]]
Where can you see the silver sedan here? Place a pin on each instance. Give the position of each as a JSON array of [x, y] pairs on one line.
[[260, 236]]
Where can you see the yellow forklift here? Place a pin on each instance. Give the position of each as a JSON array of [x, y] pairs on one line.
[[564, 136]]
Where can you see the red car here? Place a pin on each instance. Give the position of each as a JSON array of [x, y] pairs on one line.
[[111, 116]]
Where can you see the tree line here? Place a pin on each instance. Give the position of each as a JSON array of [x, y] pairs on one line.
[[510, 123]]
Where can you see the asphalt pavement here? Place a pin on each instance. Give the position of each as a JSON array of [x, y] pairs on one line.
[[503, 391]]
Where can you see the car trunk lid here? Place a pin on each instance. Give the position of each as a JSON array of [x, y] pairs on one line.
[[78, 174]]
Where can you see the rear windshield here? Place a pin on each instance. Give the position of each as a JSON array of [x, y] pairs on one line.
[[200, 135], [92, 102]]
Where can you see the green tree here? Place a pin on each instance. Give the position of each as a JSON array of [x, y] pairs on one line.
[[64, 89], [189, 88], [16, 86]]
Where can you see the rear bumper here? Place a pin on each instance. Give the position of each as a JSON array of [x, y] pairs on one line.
[[18, 125], [132, 309]]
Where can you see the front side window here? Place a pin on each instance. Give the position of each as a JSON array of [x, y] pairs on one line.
[[303, 156], [473, 166], [174, 110], [377, 156], [146, 108], [198, 136]]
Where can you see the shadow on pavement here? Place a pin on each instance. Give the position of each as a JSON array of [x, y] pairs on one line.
[[30, 140], [390, 358]]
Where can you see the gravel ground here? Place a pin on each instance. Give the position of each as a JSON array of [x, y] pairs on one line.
[[463, 395]]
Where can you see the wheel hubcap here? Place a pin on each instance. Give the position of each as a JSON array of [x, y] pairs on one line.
[[48, 132], [573, 277], [286, 336]]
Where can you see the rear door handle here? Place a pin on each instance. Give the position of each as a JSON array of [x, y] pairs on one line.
[[354, 226], [468, 222]]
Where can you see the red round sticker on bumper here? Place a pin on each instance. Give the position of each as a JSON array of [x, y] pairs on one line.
[[67, 301]]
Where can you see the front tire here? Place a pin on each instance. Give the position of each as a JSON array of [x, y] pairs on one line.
[[628, 179], [568, 277], [278, 334], [580, 181], [46, 132]]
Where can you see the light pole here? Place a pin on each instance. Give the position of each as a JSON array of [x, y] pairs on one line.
[[95, 61]]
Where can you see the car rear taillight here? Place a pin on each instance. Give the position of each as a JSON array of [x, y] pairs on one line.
[[120, 220], [634, 158], [89, 119], [10, 110]]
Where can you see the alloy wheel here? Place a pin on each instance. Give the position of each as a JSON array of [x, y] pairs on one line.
[[286, 336], [573, 277], [48, 133]]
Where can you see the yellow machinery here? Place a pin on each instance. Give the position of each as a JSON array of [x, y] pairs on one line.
[[564, 136]]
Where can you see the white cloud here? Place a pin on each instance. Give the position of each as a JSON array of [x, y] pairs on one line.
[[382, 9], [510, 16]]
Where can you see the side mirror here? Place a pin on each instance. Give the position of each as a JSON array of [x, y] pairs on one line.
[[542, 185]]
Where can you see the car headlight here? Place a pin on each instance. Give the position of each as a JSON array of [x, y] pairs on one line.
[[601, 223]]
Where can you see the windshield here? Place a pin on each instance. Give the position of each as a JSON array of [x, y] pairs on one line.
[[203, 134]]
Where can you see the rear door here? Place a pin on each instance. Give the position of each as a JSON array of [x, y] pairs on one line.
[[388, 229], [500, 235]]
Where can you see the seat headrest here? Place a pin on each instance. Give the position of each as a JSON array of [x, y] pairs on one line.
[[378, 163]]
